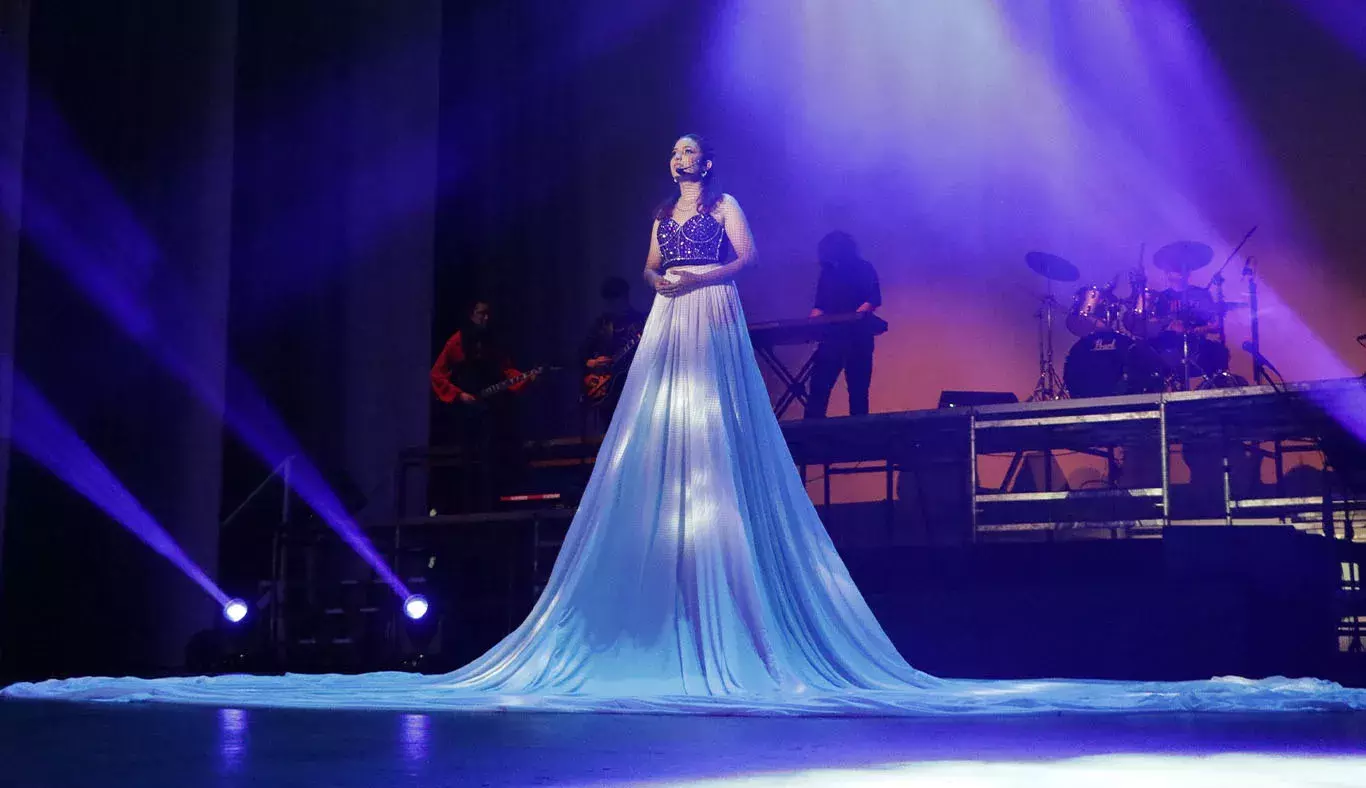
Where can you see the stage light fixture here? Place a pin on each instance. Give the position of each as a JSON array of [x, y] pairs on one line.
[[235, 610], [415, 606]]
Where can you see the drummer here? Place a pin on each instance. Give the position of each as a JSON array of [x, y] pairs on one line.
[[1186, 309], [1180, 309]]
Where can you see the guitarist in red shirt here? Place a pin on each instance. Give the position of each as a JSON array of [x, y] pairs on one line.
[[475, 374], [472, 358], [607, 350]]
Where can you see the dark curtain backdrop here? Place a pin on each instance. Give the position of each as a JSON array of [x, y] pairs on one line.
[[1301, 86], [333, 233], [14, 24], [135, 95], [281, 160], [556, 124]]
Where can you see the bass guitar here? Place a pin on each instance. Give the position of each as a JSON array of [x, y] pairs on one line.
[[599, 384]]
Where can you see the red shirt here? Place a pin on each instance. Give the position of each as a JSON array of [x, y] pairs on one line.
[[451, 355]]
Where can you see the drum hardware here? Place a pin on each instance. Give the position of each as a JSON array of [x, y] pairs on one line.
[[1258, 360], [1254, 345], [1260, 363], [1221, 310], [1153, 317], [1187, 351], [1050, 385], [1198, 354], [1185, 360], [1183, 256], [1214, 378], [1052, 267], [1152, 340]]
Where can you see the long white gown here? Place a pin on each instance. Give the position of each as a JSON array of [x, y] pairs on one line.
[[697, 577]]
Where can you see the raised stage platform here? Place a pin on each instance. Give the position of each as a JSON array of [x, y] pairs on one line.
[[982, 552], [1225, 437]]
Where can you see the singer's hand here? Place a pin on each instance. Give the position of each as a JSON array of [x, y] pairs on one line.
[[466, 399], [686, 280]]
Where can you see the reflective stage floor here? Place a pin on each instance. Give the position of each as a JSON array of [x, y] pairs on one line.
[[45, 745]]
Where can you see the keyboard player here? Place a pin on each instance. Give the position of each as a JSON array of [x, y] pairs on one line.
[[847, 285]]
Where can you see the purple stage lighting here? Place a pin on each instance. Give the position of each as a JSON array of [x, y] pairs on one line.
[[415, 606], [73, 214], [1345, 19], [235, 610], [1099, 128], [43, 435]]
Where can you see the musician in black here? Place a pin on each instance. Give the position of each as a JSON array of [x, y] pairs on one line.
[[1185, 308], [607, 349], [485, 423], [847, 285]]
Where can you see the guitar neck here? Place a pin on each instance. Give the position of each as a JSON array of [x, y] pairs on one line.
[[506, 384], [619, 356], [626, 349]]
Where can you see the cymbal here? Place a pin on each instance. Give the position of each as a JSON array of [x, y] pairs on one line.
[[1183, 256], [1050, 266]]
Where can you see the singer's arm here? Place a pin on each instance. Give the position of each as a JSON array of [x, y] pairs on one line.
[[654, 273]]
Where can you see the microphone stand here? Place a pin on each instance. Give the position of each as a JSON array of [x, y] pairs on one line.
[[1258, 369], [1217, 283], [1233, 254]]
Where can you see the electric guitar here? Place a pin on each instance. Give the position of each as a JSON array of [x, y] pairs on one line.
[[599, 383], [488, 392]]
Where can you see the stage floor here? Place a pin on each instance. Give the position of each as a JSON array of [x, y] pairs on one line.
[[45, 745]]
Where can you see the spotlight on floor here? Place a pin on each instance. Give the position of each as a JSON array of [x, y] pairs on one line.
[[415, 606], [235, 610]]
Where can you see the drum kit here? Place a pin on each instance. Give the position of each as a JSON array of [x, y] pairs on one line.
[[1150, 341]]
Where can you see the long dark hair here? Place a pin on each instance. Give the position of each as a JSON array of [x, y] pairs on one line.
[[711, 187]]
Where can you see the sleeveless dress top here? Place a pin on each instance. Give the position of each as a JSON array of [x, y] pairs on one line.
[[698, 241]]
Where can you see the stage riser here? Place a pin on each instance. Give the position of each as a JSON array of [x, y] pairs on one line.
[[1201, 602]]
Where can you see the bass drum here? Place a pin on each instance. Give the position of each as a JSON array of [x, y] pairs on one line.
[[1108, 363]]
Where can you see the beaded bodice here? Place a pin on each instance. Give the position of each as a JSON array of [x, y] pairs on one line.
[[697, 241]]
